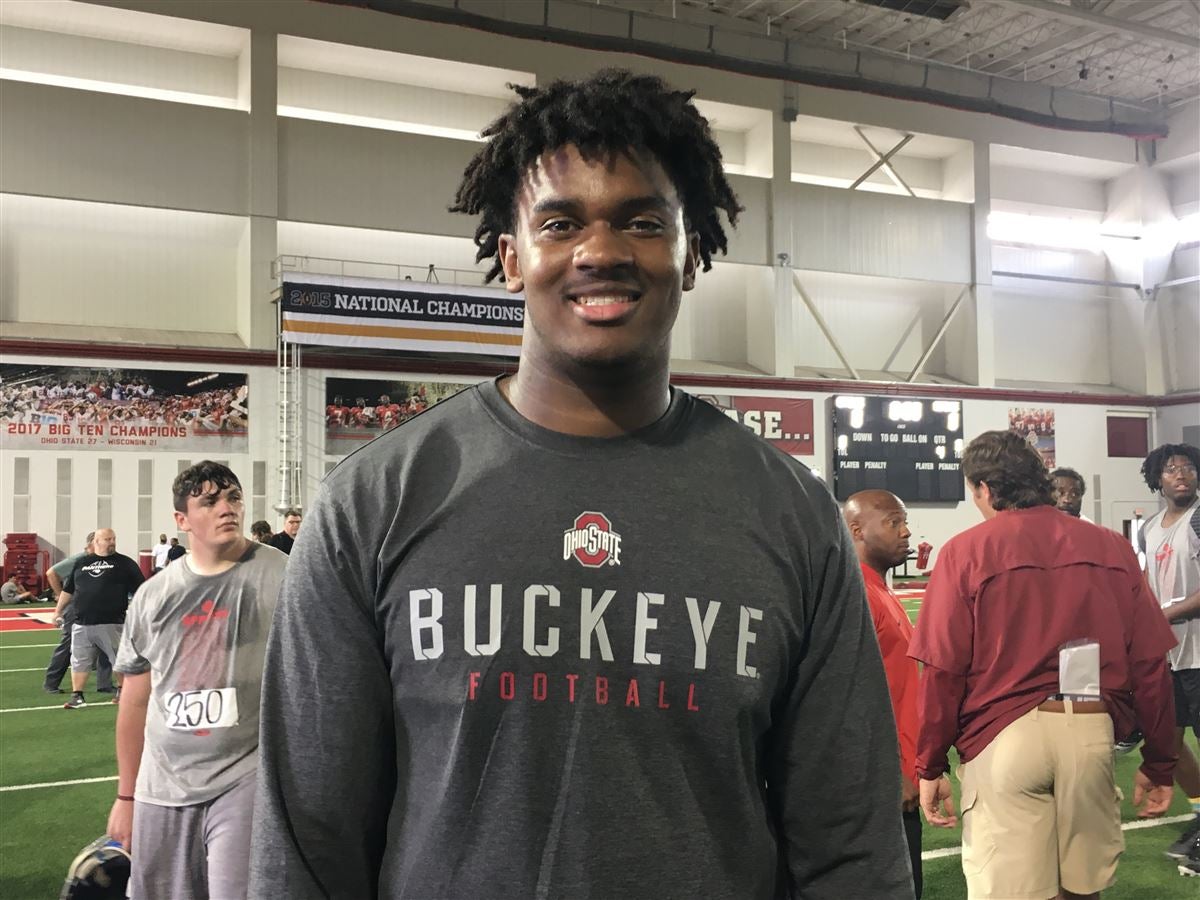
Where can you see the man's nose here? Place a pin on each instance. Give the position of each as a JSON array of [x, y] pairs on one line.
[[602, 247]]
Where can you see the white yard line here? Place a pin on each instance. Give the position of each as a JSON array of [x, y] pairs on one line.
[[46, 627], [24, 646], [46, 784], [34, 669], [103, 704], [1128, 826]]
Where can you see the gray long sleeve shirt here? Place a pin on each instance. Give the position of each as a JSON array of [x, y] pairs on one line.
[[512, 663]]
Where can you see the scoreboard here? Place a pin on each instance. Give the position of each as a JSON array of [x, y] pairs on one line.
[[907, 445]]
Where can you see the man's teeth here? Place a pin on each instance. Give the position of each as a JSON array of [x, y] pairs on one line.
[[603, 300]]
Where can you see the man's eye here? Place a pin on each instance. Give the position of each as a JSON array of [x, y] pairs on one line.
[[558, 226], [648, 226]]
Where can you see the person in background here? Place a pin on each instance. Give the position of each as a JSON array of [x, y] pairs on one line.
[[60, 659], [261, 531], [100, 586], [177, 550], [1069, 490], [187, 731], [291, 527], [878, 523], [12, 592], [1009, 599], [1171, 539], [160, 551]]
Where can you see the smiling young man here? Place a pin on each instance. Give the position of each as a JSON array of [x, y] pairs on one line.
[[187, 730], [878, 523], [1172, 541], [583, 635]]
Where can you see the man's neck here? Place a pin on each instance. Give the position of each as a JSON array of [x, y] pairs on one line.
[[1176, 508], [206, 559], [603, 406]]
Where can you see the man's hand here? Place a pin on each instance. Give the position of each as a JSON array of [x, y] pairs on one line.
[[1149, 799], [120, 823], [910, 798], [937, 802]]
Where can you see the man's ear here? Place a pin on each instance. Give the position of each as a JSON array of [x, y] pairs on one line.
[[510, 265], [691, 261]]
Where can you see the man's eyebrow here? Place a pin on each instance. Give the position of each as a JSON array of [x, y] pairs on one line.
[[654, 202]]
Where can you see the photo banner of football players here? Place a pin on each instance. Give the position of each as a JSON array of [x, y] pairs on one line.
[[1037, 427], [342, 311], [78, 408], [784, 421], [358, 410]]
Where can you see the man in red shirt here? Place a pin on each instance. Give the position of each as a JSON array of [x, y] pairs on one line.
[[878, 523], [1040, 808]]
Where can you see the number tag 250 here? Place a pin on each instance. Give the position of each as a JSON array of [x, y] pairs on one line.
[[193, 710]]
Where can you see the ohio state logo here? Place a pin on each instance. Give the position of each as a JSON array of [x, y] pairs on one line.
[[592, 541]]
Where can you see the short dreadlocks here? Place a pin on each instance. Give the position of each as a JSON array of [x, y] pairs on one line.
[[609, 112], [1152, 466]]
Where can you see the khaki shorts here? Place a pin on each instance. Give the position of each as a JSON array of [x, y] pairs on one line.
[[1040, 809]]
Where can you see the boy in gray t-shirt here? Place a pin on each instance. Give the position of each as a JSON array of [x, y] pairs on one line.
[[187, 729]]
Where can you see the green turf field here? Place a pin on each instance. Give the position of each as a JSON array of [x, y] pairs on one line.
[[42, 828]]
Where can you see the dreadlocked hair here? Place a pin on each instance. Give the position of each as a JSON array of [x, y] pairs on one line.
[[1152, 466], [613, 111]]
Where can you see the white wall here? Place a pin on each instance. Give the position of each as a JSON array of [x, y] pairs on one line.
[[1041, 337], [1181, 325], [882, 324], [84, 145], [98, 264], [1047, 189], [876, 234]]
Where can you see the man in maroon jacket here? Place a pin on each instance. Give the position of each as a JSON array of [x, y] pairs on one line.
[[1040, 808]]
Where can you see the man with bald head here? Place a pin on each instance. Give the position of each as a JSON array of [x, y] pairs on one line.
[[878, 523], [99, 586]]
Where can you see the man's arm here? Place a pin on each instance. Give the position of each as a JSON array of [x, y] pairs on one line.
[[939, 700], [851, 770], [131, 737], [63, 599], [320, 818], [54, 581], [1187, 608]]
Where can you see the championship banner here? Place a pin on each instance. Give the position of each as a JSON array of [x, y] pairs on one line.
[[358, 410], [400, 315], [783, 421], [75, 408], [1037, 427]]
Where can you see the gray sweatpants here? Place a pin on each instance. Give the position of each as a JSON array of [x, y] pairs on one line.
[[197, 852]]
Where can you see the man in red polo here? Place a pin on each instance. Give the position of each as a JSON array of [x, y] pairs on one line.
[[878, 523], [1018, 608]]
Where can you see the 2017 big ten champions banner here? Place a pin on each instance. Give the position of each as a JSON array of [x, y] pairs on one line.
[[783, 421], [358, 410], [75, 408], [401, 315], [1037, 427]]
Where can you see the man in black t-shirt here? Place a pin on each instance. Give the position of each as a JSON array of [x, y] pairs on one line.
[[177, 550], [291, 527], [100, 585]]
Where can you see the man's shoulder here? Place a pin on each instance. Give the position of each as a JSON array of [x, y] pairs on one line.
[[710, 430], [426, 431], [265, 556]]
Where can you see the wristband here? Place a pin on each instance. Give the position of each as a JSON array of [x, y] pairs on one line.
[[125, 798]]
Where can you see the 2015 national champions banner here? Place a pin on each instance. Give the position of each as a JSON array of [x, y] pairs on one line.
[[783, 421], [400, 315], [358, 410], [76, 408]]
